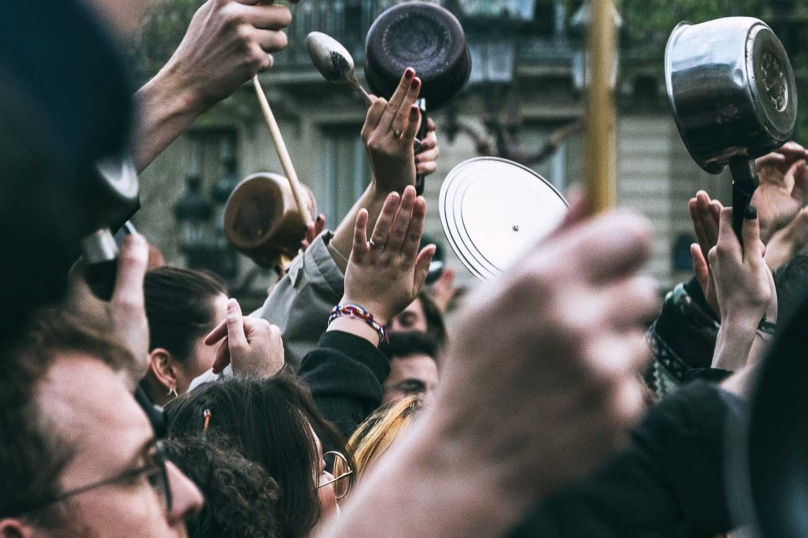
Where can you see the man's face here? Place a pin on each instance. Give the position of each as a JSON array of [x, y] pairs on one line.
[[90, 410], [412, 318], [415, 374]]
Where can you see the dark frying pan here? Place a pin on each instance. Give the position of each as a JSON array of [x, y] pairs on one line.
[[427, 38]]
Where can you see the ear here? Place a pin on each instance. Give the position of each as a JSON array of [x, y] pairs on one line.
[[14, 528], [161, 363]]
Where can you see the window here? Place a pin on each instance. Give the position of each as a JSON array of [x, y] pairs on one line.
[[347, 171]]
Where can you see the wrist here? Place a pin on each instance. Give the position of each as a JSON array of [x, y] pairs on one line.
[[379, 313], [177, 90]]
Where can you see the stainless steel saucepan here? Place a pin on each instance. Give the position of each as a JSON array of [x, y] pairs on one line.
[[733, 95]]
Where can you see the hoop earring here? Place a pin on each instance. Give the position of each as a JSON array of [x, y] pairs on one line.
[[173, 391]]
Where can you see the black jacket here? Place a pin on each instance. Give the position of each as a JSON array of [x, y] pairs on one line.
[[669, 481], [345, 374]]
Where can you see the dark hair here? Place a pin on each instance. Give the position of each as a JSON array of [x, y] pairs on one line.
[[179, 307], [791, 281], [412, 343], [31, 455], [268, 422], [435, 325], [240, 497]]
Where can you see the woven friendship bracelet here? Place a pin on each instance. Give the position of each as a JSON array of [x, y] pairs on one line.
[[357, 312]]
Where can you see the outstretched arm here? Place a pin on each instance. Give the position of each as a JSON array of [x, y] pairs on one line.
[[227, 43]]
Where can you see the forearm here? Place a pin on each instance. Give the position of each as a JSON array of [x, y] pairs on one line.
[[167, 109], [734, 342], [432, 486]]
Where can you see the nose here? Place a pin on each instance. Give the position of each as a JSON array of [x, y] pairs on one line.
[[186, 498]]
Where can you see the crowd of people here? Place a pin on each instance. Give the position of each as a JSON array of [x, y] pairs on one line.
[[564, 400]]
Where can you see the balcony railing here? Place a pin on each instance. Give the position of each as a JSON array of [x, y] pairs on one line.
[[539, 31]]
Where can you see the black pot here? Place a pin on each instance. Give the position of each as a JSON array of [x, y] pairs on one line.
[[427, 38]]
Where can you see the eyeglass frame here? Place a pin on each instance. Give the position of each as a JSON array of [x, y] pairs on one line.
[[158, 465], [346, 474]]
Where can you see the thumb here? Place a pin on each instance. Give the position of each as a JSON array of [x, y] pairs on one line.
[[422, 266], [235, 326]]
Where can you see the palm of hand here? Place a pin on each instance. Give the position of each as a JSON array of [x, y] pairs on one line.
[[782, 188]]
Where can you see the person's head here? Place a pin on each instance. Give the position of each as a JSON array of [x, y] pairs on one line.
[[422, 315], [182, 306], [413, 366], [271, 422], [378, 432], [78, 454], [240, 497]]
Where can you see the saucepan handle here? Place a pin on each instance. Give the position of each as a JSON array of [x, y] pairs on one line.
[[744, 184], [422, 130]]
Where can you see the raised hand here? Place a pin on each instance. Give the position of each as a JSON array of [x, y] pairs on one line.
[[783, 185], [124, 315], [426, 160], [705, 214], [386, 272], [389, 135], [227, 42], [744, 289], [252, 345], [786, 243], [537, 387], [550, 352]]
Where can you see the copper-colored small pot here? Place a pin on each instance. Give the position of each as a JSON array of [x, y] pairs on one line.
[[262, 221]]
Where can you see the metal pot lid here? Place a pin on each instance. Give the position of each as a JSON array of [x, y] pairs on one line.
[[493, 209]]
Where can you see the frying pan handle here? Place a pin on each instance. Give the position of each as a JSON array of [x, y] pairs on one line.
[[744, 184], [422, 130]]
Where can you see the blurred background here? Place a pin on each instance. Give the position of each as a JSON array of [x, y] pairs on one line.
[[524, 103]]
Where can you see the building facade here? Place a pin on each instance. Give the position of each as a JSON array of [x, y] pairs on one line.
[[526, 64]]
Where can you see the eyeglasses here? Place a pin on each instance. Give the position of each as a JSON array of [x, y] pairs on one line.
[[155, 472], [339, 464]]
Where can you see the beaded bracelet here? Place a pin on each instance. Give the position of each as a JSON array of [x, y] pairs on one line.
[[357, 312]]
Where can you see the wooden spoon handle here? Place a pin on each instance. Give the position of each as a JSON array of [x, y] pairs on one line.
[[283, 153]]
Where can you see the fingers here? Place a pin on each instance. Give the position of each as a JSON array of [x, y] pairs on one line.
[[319, 225], [431, 128], [727, 241], [413, 120], [614, 244], [398, 99], [133, 260], [800, 181], [577, 213], [268, 17], [633, 302], [422, 267], [401, 223], [270, 41], [700, 267], [374, 116], [385, 221], [405, 120], [360, 243], [222, 358], [236, 338], [219, 332], [413, 236]]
